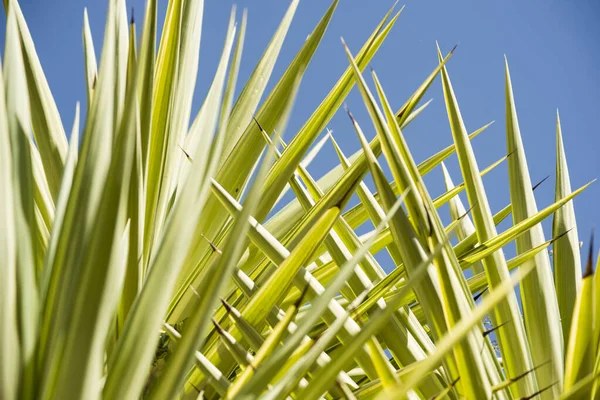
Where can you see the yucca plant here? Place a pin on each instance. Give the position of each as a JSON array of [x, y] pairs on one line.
[[156, 259]]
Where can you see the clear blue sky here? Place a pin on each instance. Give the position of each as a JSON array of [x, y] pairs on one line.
[[550, 46]]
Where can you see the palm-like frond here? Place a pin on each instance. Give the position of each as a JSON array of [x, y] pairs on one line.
[[157, 260]]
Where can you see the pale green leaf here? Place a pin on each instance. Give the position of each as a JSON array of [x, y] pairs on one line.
[[45, 120], [565, 251], [457, 209], [513, 341], [448, 343], [91, 67], [138, 340], [9, 335], [19, 119], [581, 349], [539, 304], [247, 102]]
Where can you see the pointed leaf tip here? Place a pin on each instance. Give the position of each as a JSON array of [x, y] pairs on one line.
[[539, 183], [300, 300], [226, 305], [511, 153], [589, 268], [554, 239], [495, 328], [218, 327], [478, 295], [350, 115], [258, 124], [467, 212]]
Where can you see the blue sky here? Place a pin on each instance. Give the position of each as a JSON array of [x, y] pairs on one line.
[[550, 46]]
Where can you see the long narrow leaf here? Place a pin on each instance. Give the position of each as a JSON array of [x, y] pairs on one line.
[[565, 251]]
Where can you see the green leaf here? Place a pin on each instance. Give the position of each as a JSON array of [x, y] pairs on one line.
[[565, 251], [357, 215], [135, 207], [175, 77], [238, 352], [61, 205], [478, 283], [340, 244], [205, 119], [18, 120], [407, 248], [293, 375], [214, 283], [316, 123], [44, 206], [249, 333], [45, 120], [540, 307], [243, 158], [101, 278], [138, 339], [488, 247], [324, 378], [303, 279], [85, 198], [319, 305], [267, 348], [436, 159], [513, 341], [91, 67], [448, 343], [410, 342], [452, 193], [10, 363], [115, 254], [581, 349], [147, 70], [457, 210], [406, 110], [581, 387], [451, 288], [247, 102], [218, 381]]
